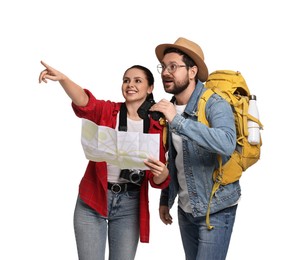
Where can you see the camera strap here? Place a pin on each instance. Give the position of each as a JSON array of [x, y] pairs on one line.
[[123, 120]]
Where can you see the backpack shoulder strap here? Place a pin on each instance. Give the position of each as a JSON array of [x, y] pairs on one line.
[[202, 104], [203, 101]]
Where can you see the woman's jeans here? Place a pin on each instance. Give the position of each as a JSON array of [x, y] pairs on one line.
[[121, 225], [202, 244]]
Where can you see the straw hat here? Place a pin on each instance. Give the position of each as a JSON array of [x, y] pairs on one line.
[[191, 49]]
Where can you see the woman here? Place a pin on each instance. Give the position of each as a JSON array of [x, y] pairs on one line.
[[109, 204]]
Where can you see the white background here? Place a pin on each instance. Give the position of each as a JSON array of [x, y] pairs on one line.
[[93, 42]]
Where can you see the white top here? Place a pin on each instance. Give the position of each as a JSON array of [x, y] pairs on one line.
[[114, 171], [183, 198]]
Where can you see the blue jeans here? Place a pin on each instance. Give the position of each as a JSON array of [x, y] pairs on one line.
[[199, 243], [121, 226]]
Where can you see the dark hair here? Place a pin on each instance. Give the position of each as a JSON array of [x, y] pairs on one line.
[[147, 72], [189, 62]]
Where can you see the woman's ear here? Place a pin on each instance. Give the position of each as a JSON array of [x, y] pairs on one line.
[[150, 89]]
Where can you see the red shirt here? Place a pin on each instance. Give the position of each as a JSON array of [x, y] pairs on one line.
[[93, 186]]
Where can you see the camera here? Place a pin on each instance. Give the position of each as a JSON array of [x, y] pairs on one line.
[[143, 110], [134, 176]]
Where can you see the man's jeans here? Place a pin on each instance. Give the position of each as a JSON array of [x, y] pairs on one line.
[[202, 244], [122, 225]]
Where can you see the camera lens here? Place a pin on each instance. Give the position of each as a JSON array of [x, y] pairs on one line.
[[136, 176]]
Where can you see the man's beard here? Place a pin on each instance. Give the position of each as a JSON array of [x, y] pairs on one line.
[[179, 87]]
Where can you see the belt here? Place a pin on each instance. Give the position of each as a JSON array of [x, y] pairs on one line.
[[122, 187]]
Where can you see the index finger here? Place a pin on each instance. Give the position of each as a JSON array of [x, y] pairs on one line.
[[46, 65]]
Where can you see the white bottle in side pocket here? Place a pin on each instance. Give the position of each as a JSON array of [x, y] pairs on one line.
[[253, 127]]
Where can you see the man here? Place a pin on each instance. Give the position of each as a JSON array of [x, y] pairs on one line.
[[192, 155]]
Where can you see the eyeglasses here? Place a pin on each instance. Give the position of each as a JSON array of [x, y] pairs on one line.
[[171, 68]]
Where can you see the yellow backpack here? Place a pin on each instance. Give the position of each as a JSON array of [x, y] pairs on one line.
[[232, 87]]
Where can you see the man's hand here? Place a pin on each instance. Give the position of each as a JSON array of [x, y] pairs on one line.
[[164, 215], [167, 108]]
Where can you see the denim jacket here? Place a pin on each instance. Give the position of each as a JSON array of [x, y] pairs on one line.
[[200, 145]]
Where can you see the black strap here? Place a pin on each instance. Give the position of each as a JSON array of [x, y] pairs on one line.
[[123, 120]]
